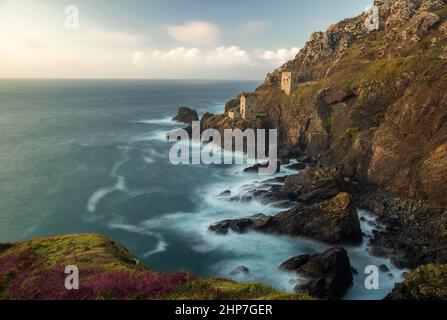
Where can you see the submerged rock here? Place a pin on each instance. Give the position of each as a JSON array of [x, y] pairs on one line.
[[334, 221], [330, 273]]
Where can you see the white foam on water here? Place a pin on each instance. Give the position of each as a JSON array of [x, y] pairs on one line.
[[260, 253], [161, 245], [162, 122]]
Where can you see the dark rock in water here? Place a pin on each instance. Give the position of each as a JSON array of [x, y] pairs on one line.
[[297, 166], [256, 167], [226, 193], [315, 184], [238, 226], [384, 268], [186, 115], [296, 262], [330, 273], [334, 221], [241, 270]]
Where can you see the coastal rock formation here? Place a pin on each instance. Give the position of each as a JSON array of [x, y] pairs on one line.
[[333, 221], [315, 184], [186, 115], [415, 232], [330, 273], [372, 104], [428, 282]]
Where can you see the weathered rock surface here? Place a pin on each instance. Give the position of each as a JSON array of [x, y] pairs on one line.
[[330, 273], [333, 221], [415, 233], [186, 115], [315, 184], [428, 282]]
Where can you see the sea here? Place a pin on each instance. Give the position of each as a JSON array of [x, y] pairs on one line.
[[91, 156]]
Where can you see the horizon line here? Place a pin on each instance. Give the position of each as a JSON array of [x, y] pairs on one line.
[[133, 79]]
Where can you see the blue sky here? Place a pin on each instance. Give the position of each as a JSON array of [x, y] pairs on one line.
[[160, 39]]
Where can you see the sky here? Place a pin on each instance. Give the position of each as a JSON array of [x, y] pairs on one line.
[[148, 39]]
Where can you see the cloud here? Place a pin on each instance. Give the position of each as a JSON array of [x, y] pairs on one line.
[[220, 57], [279, 56], [253, 27], [194, 32]]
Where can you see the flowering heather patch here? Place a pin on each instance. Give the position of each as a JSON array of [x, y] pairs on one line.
[[48, 284], [34, 270]]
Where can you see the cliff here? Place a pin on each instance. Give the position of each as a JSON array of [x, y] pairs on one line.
[[372, 102], [35, 270]]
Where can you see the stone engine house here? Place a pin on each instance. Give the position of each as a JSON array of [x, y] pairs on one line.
[[289, 82], [248, 106]]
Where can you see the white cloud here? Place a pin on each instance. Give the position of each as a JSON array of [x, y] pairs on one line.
[[221, 57], [279, 56], [228, 56], [194, 32]]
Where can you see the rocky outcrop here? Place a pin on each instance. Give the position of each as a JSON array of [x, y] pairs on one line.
[[314, 184], [415, 233], [428, 282], [333, 221], [186, 115], [330, 273]]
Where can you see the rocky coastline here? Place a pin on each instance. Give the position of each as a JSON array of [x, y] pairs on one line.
[[369, 120]]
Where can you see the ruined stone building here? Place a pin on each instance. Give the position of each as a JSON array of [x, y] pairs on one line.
[[248, 106], [289, 82]]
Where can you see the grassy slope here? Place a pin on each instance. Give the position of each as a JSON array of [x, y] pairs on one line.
[[35, 270]]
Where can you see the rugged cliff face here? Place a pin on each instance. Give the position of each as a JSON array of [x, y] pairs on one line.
[[373, 103]]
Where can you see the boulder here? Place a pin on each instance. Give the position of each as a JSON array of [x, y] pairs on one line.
[[330, 273], [333, 221], [313, 184], [238, 226], [297, 166], [186, 115], [293, 264]]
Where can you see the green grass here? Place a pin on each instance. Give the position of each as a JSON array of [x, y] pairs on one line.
[[101, 256]]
